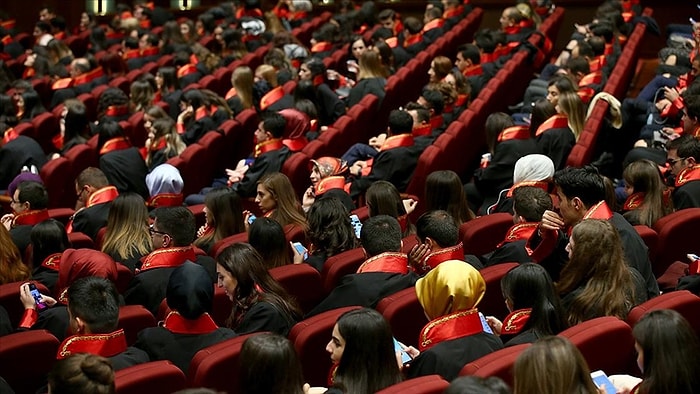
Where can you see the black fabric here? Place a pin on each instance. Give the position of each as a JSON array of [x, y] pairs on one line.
[[197, 128], [330, 107], [20, 152], [190, 291], [393, 165], [264, 316], [5, 323], [55, 320], [690, 283], [21, 236], [267, 163], [687, 196], [126, 170], [91, 220], [128, 358], [46, 277], [557, 144], [375, 86], [511, 252]]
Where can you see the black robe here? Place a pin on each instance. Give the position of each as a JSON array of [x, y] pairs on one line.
[[20, 152], [687, 196], [557, 144], [126, 170], [266, 163], [394, 165], [90, 220], [264, 316], [375, 86]]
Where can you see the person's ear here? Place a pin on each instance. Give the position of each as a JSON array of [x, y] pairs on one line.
[[430, 242], [79, 325], [269, 135], [364, 252], [691, 161], [167, 240], [577, 203]]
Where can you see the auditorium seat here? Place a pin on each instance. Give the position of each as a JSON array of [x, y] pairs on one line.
[[430, 384], [46, 126], [483, 234], [222, 307], [139, 134], [121, 83], [296, 168], [134, 318], [310, 337], [153, 377], [9, 299], [493, 303], [80, 240], [26, 358], [59, 183], [499, 364], [650, 238], [683, 302], [405, 315], [217, 367], [223, 243], [90, 106], [340, 265], [606, 343], [677, 237], [301, 281], [26, 129], [191, 160], [124, 274]]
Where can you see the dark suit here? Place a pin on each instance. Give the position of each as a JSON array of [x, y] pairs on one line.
[[393, 165]]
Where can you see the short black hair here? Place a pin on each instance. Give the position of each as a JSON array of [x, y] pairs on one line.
[[380, 234], [585, 183], [440, 226], [530, 202], [400, 122], [35, 193], [435, 99], [274, 123], [690, 148], [470, 52], [578, 65], [95, 301], [178, 222], [585, 49]]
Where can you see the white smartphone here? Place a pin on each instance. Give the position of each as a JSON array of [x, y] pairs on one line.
[[301, 249], [405, 357], [693, 257], [356, 224], [602, 382]]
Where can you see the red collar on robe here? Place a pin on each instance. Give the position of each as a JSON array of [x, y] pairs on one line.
[[454, 12], [544, 185], [461, 100], [422, 130], [323, 46], [62, 83], [397, 141], [392, 42], [434, 24], [177, 324], [687, 175], [436, 121], [165, 200], [592, 78], [634, 201], [514, 133], [167, 258], [101, 196], [455, 325], [609, 49], [412, 39], [599, 211], [271, 97], [105, 345], [131, 54], [10, 134], [117, 110], [268, 146], [253, 13], [515, 29], [597, 63], [230, 94], [114, 144], [433, 259], [328, 183], [28, 73], [53, 262], [158, 145], [30, 218], [519, 232], [558, 121], [57, 141], [389, 262], [8, 24], [586, 94], [515, 321], [473, 71], [187, 69], [694, 267]]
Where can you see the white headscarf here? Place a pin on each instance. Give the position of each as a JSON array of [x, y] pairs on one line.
[[533, 168], [164, 179]]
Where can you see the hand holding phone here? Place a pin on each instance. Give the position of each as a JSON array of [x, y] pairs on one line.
[[37, 296], [356, 224], [601, 381], [401, 348], [301, 249]]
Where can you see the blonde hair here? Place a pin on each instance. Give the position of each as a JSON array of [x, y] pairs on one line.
[[371, 65], [165, 129], [127, 228], [242, 81], [571, 105], [268, 73]]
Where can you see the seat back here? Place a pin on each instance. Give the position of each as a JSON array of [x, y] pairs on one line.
[[153, 377], [222, 307], [59, 183], [134, 318], [404, 314], [302, 282], [683, 302], [340, 265], [9, 299], [223, 243], [430, 384], [650, 238], [36, 346], [310, 337], [493, 303], [677, 237], [499, 363], [483, 234], [606, 343], [217, 367]]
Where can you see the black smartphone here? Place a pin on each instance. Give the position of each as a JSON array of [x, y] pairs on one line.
[[37, 296]]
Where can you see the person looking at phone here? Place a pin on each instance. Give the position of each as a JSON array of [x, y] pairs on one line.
[[330, 231], [439, 241], [277, 200]]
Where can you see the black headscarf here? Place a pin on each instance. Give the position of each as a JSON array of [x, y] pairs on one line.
[[190, 291]]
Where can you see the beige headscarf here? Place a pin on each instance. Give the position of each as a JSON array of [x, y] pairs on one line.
[[450, 287]]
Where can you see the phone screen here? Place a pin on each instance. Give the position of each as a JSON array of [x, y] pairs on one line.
[[37, 296], [301, 249], [251, 219], [484, 324], [405, 357], [356, 224], [602, 382]]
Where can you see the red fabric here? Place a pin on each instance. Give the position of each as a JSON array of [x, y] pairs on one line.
[[433, 259], [81, 263], [515, 321], [177, 324], [557, 121], [105, 345], [519, 232], [386, 262], [167, 257], [455, 325], [30, 218]]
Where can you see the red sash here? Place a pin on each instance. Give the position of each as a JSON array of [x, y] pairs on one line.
[[201, 112], [487, 58], [541, 184], [455, 325], [397, 141], [434, 24], [53, 262], [165, 200], [167, 258], [105, 345], [473, 71], [116, 110], [634, 201], [62, 83], [432, 260], [461, 100], [389, 262], [413, 39], [609, 49], [177, 324], [514, 133], [510, 30], [10, 134], [115, 144], [328, 183], [597, 63], [519, 232], [8, 24], [586, 94], [268, 146], [436, 121], [558, 121], [187, 69], [271, 97], [131, 54], [152, 51], [454, 12], [694, 267], [515, 321], [422, 130], [599, 211], [392, 42], [30, 218], [28, 73], [231, 93], [687, 175], [100, 196], [592, 78], [323, 46], [398, 24]]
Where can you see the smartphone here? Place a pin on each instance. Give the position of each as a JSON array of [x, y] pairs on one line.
[[37, 296], [484, 324], [405, 357], [356, 224], [301, 249], [602, 382], [251, 219], [693, 257]]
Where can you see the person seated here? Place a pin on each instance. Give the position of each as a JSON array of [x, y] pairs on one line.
[[330, 107], [49, 240], [164, 186], [477, 384], [195, 120], [147, 51], [29, 207], [172, 234], [82, 373], [259, 302], [384, 272], [73, 127], [516, 25], [223, 215], [20, 152], [268, 238], [449, 294], [265, 355], [126, 238], [13, 268], [95, 196], [444, 191], [330, 231], [277, 200], [326, 174], [531, 170], [412, 39], [687, 188], [647, 197], [188, 328], [469, 64], [163, 142], [433, 24], [120, 161], [439, 241], [383, 198]]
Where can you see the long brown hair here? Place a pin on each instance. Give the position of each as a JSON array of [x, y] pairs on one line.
[[644, 177], [288, 210], [224, 213], [127, 228], [444, 191], [597, 266], [12, 269]]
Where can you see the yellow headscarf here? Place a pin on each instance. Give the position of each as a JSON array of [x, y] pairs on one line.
[[450, 287]]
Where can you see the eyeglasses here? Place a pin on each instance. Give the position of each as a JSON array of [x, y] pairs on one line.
[[673, 162], [13, 201], [152, 231]]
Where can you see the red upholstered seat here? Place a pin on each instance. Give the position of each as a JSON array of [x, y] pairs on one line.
[[153, 377], [493, 303], [310, 337], [302, 282], [428, 162], [499, 363], [134, 318], [430, 384], [59, 182], [9, 299], [404, 314], [678, 236], [683, 302], [296, 168], [228, 241], [121, 83], [483, 234], [192, 159], [139, 134], [651, 239], [26, 358], [46, 126], [217, 367], [606, 343], [80, 240], [133, 75], [124, 274], [90, 105], [26, 129], [340, 265]]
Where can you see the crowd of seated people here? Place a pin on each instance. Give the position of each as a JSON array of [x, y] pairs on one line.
[[134, 237]]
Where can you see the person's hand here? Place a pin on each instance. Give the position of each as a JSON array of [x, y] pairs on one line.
[[185, 114], [671, 93], [495, 324], [55, 156], [298, 257], [552, 221], [416, 256], [356, 168], [307, 200], [409, 205], [624, 383], [6, 220], [662, 104], [413, 352], [25, 296], [378, 141], [235, 175], [246, 216]]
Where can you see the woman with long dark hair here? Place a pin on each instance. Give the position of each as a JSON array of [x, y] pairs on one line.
[[49, 240], [330, 231], [646, 201], [277, 200], [273, 356], [222, 210], [384, 199], [444, 191], [330, 107], [267, 237]]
